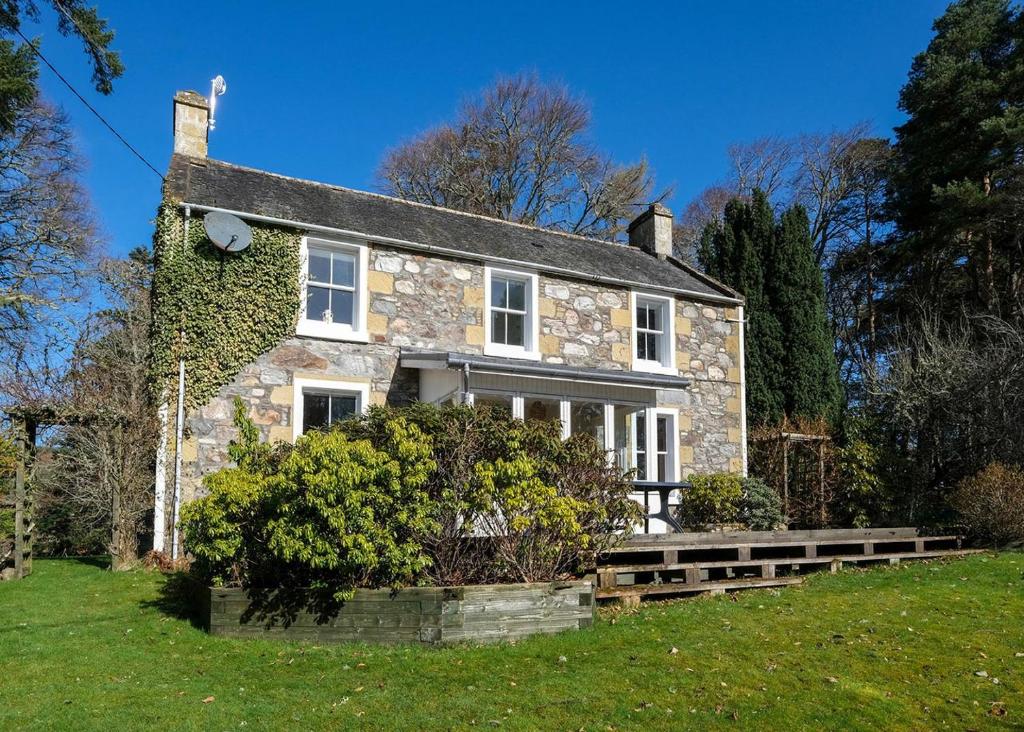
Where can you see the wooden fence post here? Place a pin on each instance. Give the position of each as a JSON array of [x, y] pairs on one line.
[[22, 516], [785, 480]]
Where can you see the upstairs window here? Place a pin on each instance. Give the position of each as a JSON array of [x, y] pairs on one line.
[[653, 333], [508, 311], [511, 314], [333, 290], [650, 330]]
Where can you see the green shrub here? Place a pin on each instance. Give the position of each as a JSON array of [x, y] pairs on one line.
[[330, 514], [760, 507], [859, 495], [64, 529], [6, 534], [991, 504], [512, 501], [712, 498], [375, 502], [6, 524]]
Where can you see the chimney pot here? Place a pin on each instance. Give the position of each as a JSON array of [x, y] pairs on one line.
[[651, 231], [191, 124]]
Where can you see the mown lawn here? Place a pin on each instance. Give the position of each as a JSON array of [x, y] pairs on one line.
[[887, 648]]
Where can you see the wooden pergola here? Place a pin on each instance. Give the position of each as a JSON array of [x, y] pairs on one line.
[[815, 442], [25, 423]]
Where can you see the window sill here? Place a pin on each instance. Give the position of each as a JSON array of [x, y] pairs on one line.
[[331, 331], [653, 367], [497, 349]]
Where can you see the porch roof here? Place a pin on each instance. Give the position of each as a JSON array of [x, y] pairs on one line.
[[420, 359]]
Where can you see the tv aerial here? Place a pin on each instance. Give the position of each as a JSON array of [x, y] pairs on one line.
[[217, 88], [227, 232]]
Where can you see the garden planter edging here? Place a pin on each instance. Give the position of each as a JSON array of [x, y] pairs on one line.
[[431, 615]]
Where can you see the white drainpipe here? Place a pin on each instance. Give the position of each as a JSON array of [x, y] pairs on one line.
[[160, 478], [743, 388], [180, 422]]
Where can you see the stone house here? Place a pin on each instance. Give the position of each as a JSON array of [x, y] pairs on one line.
[[402, 301]]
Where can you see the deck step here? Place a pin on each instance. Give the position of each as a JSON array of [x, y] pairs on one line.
[[635, 547], [679, 588], [786, 561]]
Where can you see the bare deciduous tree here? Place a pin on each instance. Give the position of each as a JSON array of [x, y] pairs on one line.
[[520, 153], [765, 164], [852, 265], [105, 467], [824, 181], [46, 236], [706, 208], [954, 396]]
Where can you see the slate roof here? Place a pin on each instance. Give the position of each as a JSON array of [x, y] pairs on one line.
[[207, 182]]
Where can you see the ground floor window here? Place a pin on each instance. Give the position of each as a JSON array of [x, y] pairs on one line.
[[321, 410], [495, 401], [319, 403], [635, 435]]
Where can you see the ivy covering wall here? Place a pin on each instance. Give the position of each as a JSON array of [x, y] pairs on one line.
[[229, 308]]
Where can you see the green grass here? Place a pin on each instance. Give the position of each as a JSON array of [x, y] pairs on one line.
[[888, 648]]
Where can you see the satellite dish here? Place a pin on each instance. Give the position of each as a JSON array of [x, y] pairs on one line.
[[227, 232]]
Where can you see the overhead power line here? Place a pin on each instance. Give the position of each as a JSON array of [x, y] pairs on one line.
[[88, 106]]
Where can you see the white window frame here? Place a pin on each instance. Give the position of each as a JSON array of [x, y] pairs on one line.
[[358, 389], [667, 364], [335, 331], [672, 459], [651, 414], [531, 330]]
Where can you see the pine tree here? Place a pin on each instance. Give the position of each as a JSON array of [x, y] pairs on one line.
[[18, 65], [959, 177], [810, 378]]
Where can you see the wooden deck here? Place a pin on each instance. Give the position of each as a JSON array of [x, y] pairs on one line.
[[687, 563]]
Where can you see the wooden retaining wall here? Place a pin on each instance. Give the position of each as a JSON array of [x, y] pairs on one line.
[[432, 615]]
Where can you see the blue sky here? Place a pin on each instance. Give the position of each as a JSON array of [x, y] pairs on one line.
[[324, 91]]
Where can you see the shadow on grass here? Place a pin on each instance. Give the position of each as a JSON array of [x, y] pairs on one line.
[[100, 562], [181, 596]]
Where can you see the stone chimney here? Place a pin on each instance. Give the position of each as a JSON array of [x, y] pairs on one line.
[[652, 231], [191, 124]]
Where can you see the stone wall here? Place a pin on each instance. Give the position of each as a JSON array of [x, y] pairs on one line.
[[437, 303], [709, 411]]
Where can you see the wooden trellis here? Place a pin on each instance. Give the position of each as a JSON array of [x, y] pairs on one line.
[[25, 423], [796, 465]]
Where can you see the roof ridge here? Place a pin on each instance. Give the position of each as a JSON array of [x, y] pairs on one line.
[[334, 186]]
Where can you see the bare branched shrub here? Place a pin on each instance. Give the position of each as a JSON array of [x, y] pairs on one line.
[[991, 504], [105, 464], [954, 399]]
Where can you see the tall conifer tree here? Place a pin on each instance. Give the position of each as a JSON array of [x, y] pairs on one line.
[[810, 378], [734, 252], [958, 179]]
